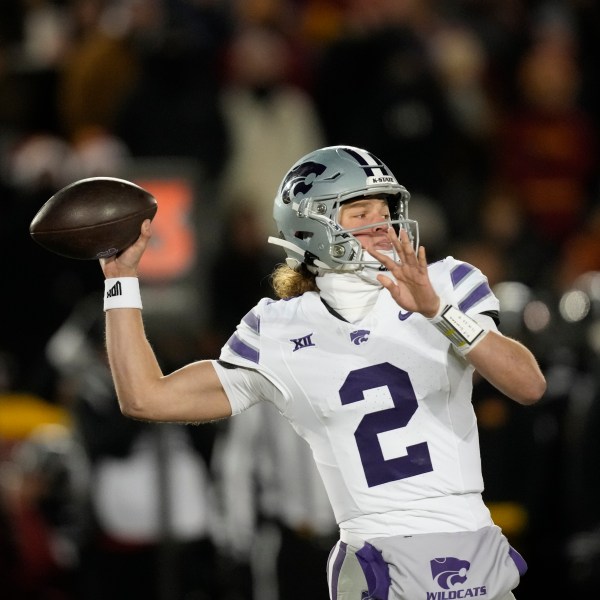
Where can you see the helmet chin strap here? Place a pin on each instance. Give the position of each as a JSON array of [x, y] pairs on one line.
[[373, 267], [291, 262], [294, 262], [368, 272]]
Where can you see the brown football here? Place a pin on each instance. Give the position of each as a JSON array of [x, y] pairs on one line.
[[93, 218]]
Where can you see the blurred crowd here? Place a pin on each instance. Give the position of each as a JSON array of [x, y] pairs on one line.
[[488, 111]]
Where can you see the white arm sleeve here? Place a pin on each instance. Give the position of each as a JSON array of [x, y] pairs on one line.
[[245, 387]]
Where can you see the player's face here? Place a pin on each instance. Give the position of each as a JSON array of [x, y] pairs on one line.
[[365, 212]]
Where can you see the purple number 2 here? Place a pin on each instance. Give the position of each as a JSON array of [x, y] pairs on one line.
[[377, 469]]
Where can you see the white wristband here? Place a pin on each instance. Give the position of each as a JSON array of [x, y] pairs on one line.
[[463, 331], [122, 292]]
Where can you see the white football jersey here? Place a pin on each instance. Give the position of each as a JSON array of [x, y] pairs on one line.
[[385, 403]]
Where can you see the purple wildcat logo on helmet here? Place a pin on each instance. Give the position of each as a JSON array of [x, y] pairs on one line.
[[449, 571], [299, 180]]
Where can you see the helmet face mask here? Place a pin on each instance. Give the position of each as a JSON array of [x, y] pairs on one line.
[[307, 207]]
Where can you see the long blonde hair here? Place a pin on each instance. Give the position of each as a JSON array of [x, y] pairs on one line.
[[290, 283]]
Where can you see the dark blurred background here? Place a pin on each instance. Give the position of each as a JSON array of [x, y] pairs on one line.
[[486, 110]]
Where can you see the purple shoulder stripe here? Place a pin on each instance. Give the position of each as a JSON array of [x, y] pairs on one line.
[[237, 346], [460, 272], [253, 321], [474, 296]]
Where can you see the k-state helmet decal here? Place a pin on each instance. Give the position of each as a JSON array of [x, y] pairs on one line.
[[300, 180]]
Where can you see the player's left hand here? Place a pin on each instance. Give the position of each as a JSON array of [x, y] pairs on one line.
[[412, 288]]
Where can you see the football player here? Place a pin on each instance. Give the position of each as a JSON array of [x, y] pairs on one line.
[[369, 354]]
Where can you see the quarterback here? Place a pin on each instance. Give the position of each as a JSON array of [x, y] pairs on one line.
[[369, 353]]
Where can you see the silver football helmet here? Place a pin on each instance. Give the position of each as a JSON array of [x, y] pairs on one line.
[[308, 201]]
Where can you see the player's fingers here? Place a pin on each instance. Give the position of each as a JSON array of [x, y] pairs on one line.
[[406, 250], [125, 263], [386, 261], [145, 235], [393, 236], [406, 241], [106, 261], [145, 231], [386, 282]]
